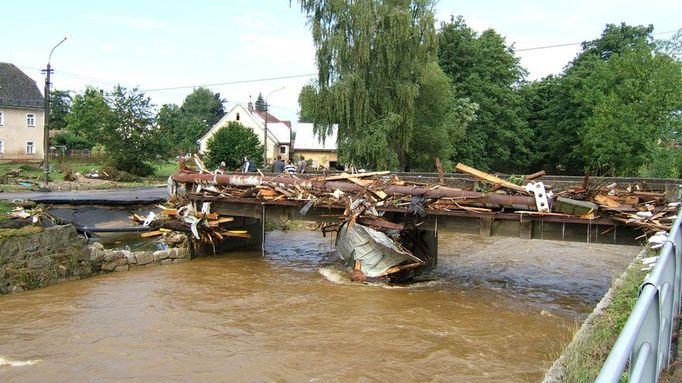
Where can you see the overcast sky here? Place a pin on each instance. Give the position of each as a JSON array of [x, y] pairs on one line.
[[241, 48]]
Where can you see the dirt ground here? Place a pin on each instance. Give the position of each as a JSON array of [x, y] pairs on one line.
[[81, 183]]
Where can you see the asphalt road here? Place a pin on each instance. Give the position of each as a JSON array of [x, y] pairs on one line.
[[120, 197]]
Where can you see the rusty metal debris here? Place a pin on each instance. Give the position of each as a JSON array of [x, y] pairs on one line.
[[364, 197]]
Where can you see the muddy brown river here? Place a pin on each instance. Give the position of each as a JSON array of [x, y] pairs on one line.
[[496, 310]]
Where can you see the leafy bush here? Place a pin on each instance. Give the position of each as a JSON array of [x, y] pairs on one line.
[[71, 140], [231, 144]]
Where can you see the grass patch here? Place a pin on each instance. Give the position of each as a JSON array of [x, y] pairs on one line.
[[6, 207], [165, 169], [33, 173], [587, 355]]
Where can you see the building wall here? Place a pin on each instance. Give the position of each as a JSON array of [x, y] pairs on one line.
[[14, 133], [319, 158], [242, 115]]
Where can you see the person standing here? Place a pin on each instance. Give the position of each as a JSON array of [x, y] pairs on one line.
[[290, 168], [278, 165], [302, 165]]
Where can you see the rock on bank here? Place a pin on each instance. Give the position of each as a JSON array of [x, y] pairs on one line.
[[59, 254]]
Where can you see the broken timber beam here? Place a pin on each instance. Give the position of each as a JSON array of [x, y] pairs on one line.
[[489, 177], [523, 202]]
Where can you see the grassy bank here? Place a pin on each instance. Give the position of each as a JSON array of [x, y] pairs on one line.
[[28, 175], [585, 357], [5, 208]]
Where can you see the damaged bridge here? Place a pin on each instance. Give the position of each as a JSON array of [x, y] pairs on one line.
[[313, 199], [388, 227]]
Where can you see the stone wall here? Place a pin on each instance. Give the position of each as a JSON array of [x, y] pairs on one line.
[[123, 260], [59, 254]]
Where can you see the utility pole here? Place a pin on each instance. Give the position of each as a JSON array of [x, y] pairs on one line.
[[265, 132], [46, 124]]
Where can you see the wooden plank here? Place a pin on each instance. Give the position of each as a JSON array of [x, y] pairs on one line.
[[199, 214], [441, 174], [606, 200], [345, 176], [535, 175], [489, 177], [363, 183], [235, 233], [150, 234]]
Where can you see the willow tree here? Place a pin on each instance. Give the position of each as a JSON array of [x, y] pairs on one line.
[[370, 58]]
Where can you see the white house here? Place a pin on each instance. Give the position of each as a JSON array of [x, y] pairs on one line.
[[310, 145], [279, 132], [21, 115]]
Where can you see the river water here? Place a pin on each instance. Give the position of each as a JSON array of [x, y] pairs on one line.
[[496, 310]]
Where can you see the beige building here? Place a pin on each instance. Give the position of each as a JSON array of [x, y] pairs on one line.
[[21, 116], [279, 132], [322, 153]]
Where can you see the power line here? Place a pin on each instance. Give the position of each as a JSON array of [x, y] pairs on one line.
[[571, 44], [289, 76], [232, 82]]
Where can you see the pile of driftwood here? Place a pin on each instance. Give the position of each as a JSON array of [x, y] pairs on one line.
[[363, 196], [630, 205]]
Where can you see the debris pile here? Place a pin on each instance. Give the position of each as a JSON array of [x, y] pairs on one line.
[[362, 199], [24, 214]]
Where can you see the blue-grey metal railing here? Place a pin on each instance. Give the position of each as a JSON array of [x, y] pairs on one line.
[[646, 337]]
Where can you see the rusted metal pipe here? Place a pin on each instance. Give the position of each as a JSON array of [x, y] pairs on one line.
[[490, 199]]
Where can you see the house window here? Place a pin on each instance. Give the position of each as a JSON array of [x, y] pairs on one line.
[[2, 147], [237, 116], [2, 118], [30, 120], [282, 149], [30, 147]]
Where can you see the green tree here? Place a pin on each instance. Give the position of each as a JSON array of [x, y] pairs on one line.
[[441, 123], [130, 135], [486, 71], [231, 144], [370, 56], [71, 141], [60, 104], [204, 105], [306, 103], [186, 124], [672, 47], [551, 113], [170, 129], [260, 103], [633, 99], [89, 112], [612, 112]]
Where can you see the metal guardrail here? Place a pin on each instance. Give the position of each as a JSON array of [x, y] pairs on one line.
[[645, 340]]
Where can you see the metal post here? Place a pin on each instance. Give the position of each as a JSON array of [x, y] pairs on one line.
[[265, 133], [265, 137], [46, 118], [46, 129]]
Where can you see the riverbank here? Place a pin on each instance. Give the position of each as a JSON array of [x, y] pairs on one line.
[[69, 175], [32, 257], [583, 358]]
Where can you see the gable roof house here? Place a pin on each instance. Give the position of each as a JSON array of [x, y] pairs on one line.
[[21, 115], [311, 146], [279, 132]]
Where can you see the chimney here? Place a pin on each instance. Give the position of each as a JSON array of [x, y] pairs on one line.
[[250, 105]]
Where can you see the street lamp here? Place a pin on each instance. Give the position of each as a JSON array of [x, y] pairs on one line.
[[265, 132], [46, 131]]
